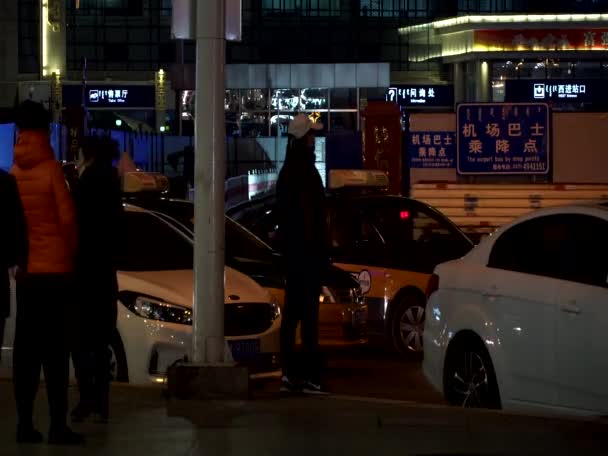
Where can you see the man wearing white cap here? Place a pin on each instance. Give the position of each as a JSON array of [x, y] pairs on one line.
[[303, 236]]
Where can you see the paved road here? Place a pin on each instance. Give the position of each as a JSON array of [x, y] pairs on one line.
[[372, 373]]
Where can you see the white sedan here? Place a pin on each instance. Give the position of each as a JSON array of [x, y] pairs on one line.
[[154, 328], [520, 322]]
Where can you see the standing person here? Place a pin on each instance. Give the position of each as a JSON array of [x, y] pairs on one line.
[[43, 293], [99, 213], [303, 233], [13, 236]]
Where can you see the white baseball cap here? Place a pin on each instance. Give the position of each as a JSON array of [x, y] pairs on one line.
[[302, 124]]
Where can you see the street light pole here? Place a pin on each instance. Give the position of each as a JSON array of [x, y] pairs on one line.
[[209, 174]]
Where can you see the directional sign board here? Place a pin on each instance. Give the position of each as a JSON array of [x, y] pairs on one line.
[[503, 138]]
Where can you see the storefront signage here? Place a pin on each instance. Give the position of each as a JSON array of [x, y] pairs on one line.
[[543, 39], [579, 91], [432, 149], [503, 138], [111, 96], [421, 95]]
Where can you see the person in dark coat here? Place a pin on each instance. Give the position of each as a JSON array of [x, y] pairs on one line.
[[303, 238], [13, 236], [99, 212]]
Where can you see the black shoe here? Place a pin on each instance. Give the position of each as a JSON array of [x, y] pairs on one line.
[[80, 413], [314, 388], [29, 435], [289, 387], [65, 437]]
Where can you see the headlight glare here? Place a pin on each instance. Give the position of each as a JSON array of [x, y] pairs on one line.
[[326, 297], [156, 309]]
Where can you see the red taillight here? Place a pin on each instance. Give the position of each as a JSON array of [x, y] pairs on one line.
[[432, 286]]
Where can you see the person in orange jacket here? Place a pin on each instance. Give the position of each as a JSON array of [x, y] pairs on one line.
[[44, 289]]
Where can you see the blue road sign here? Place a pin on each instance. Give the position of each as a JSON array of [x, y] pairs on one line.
[[503, 138], [432, 149]]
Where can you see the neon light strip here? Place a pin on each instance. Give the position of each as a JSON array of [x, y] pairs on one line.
[[44, 23], [504, 19], [481, 48]]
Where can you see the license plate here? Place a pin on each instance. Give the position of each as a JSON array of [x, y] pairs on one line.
[[244, 349]]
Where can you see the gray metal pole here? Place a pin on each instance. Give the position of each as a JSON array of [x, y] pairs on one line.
[[209, 174]]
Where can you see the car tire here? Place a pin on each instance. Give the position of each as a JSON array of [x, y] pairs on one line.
[[119, 367], [406, 325], [469, 378]]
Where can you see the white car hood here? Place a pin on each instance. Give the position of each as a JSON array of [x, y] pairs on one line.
[[177, 286]]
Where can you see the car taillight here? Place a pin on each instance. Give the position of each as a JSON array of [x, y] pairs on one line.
[[432, 286]]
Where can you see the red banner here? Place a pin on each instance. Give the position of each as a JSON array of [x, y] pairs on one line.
[[382, 141], [545, 39]]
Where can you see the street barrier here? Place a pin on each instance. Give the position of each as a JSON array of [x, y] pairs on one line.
[[482, 208]]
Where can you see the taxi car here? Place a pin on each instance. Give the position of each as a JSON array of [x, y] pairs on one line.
[[154, 326], [342, 310], [390, 245]]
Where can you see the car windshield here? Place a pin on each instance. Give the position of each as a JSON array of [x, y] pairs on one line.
[[240, 243], [149, 244]]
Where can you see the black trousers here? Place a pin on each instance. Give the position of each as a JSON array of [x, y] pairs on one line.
[[96, 311], [301, 305], [41, 341]]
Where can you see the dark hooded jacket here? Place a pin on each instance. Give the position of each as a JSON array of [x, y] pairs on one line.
[[100, 216], [301, 208], [13, 237]]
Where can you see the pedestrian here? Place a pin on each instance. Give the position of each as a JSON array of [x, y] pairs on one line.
[[303, 240], [44, 290], [99, 213], [13, 237]]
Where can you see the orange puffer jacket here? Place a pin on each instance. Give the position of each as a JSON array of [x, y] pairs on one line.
[[47, 203]]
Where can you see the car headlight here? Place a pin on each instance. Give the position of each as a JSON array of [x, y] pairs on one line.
[[155, 309], [326, 297]]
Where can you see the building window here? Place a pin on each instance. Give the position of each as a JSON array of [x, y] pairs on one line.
[[110, 7], [29, 33], [301, 7], [395, 8], [119, 35]]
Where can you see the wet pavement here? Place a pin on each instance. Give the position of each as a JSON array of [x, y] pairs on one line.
[[143, 422]]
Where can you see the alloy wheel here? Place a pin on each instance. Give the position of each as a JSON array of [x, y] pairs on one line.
[[411, 328], [469, 381]]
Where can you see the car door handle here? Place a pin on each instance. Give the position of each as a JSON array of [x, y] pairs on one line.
[[491, 292], [570, 308]]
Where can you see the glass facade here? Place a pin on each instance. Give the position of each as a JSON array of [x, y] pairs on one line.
[[302, 7], [120, 35], [29, 36], [256, 113]]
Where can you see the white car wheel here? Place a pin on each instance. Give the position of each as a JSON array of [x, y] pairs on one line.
[[469, 378]]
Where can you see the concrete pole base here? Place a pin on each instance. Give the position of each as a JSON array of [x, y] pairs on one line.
[[200, 382]]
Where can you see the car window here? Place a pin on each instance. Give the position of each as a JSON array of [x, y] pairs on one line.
[[265, 226], [566, 246], [149, 244], [240, 243], [418, 237], [522, 248], [587, 251], [353, 238]]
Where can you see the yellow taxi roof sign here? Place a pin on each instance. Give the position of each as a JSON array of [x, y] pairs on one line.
[[345, 178], [137, 182]]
